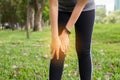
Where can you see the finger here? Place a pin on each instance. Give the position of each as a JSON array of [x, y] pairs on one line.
[[62, 49], [51, 46], [68, 45], [65, 48], [57, 54], [52, 54], [52, 50]]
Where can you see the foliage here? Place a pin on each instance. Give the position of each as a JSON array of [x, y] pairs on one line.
[[13, 10], [28, 59], [16, 10], [113, 17], [100, 15], [46, 13]]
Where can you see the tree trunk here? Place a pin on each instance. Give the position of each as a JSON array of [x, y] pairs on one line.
[[13, 19], [37, 21], [38, 7], [28, 20], [31, 18]]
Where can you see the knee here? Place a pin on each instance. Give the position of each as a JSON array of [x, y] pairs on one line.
[[85, 51], [60, 60]]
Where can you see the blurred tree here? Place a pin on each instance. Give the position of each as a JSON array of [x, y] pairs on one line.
[[46, 13], [38, 6], [28, 19], [113, 17], [14, 11], [100, 15]]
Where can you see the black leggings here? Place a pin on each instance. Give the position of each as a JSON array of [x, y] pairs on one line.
[[83, 31]]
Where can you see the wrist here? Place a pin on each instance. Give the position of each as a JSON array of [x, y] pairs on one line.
[[55, 37], [67, 31]]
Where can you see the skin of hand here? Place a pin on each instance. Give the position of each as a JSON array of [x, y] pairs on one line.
[[55, 47], [64, 37]]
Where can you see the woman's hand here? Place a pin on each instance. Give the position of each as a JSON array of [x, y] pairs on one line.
[[55, 47], [64, 37]]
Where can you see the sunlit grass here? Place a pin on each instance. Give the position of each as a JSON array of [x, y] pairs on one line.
[[28, 59]]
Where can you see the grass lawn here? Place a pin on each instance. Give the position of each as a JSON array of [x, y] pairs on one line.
[[28, 59]]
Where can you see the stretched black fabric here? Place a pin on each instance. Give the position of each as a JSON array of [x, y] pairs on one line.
[[83, 31]]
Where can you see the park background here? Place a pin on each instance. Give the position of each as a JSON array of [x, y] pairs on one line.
[[25, 42]]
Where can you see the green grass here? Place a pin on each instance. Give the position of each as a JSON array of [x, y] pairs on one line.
[[28, 59]]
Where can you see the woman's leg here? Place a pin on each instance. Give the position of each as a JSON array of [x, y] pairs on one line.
[[83, 29], [56, 66]]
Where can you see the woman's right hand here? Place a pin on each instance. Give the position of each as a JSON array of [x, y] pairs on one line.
[[55, 47]]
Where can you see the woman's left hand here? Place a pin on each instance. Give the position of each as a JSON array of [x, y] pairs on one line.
[[64, 37]]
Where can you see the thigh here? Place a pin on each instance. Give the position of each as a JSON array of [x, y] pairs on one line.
[[83, 30], [63, 18]]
